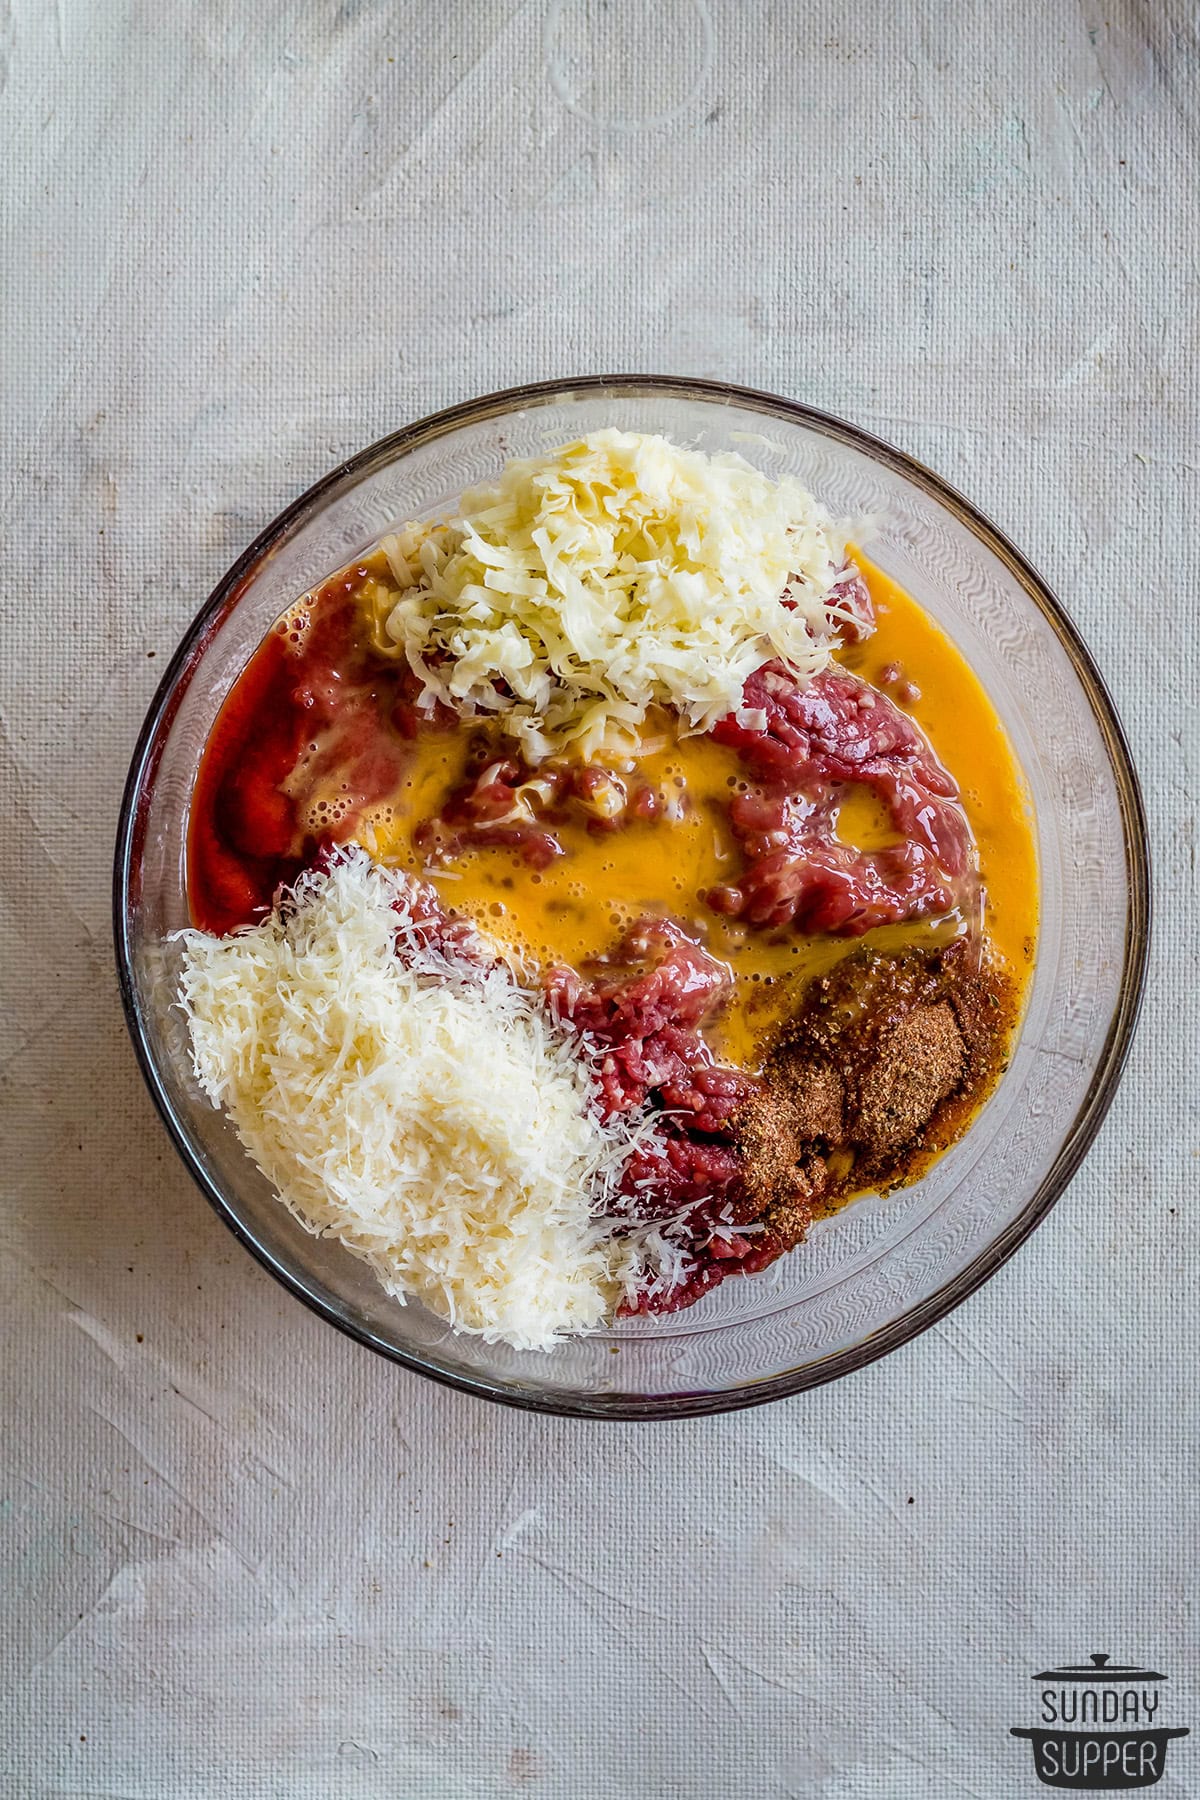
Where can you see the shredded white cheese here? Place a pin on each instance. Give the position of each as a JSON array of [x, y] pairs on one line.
[[619, 572], [426, 1112]]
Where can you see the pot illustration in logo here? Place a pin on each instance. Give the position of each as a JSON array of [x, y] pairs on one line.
[[1100, 1727]]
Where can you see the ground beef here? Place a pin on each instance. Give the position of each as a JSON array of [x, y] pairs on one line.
[[435, 928], [645, 1003], [504, 802], [501, 803], [856, 610], [798, 873], [817, 740]]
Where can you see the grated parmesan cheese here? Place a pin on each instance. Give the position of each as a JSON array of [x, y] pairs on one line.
[[425, 1111], [617, 573]]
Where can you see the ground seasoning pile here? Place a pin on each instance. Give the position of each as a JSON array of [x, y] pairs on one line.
[[879, 1070]]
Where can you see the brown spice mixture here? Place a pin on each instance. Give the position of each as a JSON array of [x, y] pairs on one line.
[[884, 1065]]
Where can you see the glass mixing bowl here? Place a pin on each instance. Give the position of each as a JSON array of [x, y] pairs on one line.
[[879, 1271]]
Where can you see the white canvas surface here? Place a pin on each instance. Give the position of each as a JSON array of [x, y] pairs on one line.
[[240, 1556]]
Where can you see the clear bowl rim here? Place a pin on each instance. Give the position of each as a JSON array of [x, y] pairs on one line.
[[1094, 1105]]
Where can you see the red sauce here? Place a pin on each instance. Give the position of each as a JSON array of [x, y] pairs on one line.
[[307, 738], [243, 828]]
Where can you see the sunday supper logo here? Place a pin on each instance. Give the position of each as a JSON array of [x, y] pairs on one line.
[[1100, 1727]]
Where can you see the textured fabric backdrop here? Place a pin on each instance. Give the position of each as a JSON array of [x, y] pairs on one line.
[[241, 1556]]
